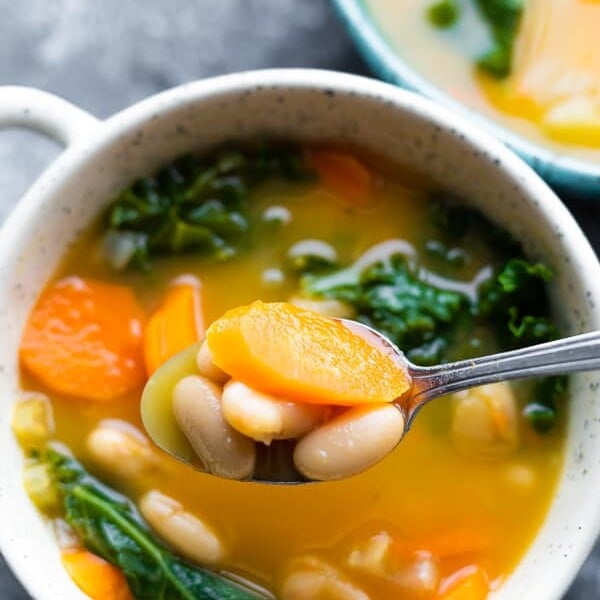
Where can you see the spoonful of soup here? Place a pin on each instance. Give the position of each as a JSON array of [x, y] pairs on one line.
[[281, 394]]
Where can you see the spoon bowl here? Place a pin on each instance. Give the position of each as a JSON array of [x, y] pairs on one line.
[[274, 462]]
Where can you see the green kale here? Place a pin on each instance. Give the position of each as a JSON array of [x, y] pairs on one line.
[[389, 297], [515, 302], [195, 204], [110, 526], [542, 411], [454, 223], [503, 18], [443, 13]]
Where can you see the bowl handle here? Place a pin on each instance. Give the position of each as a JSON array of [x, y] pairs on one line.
[[46, 113]]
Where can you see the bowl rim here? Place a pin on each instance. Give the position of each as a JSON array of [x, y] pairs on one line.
[[82, 152], [576, 176]]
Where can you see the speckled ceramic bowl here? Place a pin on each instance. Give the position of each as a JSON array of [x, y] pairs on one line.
[[567, 174], [102, 157]]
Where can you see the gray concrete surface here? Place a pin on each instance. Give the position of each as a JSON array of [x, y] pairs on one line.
[[106, 55]]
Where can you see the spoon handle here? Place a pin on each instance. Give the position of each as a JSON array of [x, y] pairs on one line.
[[567, 355]]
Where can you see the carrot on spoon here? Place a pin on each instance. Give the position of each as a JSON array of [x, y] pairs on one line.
[[176, 324], [84, 339], [281, 349]]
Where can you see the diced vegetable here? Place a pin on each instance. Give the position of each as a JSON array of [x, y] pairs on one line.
[[84, 339], [470, 583], [299, 355], [33, 421], [196, 204], [109, 526], [343, 174], [443, 13], [39, 485], [96, 577], [176, 324]]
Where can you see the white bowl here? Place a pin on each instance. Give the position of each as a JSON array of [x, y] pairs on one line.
[[102, 157]]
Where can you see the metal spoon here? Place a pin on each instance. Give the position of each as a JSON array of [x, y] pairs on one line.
[[274, 463]]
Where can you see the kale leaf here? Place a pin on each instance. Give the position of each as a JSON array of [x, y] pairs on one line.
[[109, 525], [195, 204], [515, 302], [503, 18], [389, 297]]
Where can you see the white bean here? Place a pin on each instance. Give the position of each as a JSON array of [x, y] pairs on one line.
[[325, 307], [265, 418], [121, 450], [207, 368], [485, 421], [311, 579], [414, 574], [349, 443], [223, 450], [187, 534]]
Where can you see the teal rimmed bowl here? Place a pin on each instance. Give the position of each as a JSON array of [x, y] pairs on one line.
[[568, 175]]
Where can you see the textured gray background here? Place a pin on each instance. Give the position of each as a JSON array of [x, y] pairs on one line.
[[104, 55]]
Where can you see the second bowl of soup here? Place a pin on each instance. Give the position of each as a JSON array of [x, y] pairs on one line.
[[508, 64]]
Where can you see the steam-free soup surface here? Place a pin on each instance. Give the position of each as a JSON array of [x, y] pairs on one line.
[[551, 95], [429, 495]]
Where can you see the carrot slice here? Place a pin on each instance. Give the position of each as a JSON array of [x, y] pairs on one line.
[[298, 354], [470, 583], [84, 339], [343, 174], [175, 325], [95, 577]]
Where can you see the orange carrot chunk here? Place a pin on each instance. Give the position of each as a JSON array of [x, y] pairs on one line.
[[298, 354], [343, 174], [96, 577], [470, 583], [175, 325], [84, 339]]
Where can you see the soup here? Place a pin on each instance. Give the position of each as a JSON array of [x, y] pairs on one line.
[[516, 66], [333, 233]]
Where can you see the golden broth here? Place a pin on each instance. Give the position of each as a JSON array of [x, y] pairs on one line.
[[552, 97], [425, 490]]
